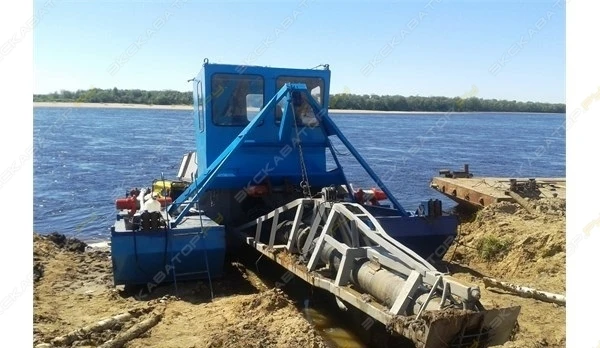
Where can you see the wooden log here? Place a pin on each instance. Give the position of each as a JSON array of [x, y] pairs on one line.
[[133, 332], [102, 325], [526, 292], [522, 202]]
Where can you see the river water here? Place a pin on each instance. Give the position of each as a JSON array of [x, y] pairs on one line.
[[85, 158]]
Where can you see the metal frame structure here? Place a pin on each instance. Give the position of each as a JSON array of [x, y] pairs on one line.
[[336, 243], [203, 183], [382, 249], [400, 287]]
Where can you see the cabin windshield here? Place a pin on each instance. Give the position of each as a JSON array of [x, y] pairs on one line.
[[304, 113], [240, 99]]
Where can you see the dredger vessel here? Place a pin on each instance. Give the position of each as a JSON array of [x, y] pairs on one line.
[[266, 172]]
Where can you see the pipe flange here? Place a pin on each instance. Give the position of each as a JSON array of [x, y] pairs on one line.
[[475, 293]]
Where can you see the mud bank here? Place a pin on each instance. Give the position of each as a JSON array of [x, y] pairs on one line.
[[73, 290], [505, 242]]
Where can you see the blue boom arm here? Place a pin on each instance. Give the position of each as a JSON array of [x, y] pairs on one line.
[[330, 128], [203, 183]]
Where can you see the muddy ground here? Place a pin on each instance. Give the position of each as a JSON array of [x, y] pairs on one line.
[[505, 242], [73, 288]]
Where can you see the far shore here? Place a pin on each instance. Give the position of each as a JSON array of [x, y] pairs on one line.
[[110, 105], [190, 107]]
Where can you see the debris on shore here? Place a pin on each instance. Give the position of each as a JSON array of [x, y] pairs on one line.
[[507, 242], [73, 291], [76, 305]]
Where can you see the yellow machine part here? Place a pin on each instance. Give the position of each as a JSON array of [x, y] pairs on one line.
[[162, 187]]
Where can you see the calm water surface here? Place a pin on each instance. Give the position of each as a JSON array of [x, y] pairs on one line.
[[88, 157]]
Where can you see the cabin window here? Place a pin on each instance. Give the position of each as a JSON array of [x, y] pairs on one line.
[[200, 110], [236, 99], [304, 113]]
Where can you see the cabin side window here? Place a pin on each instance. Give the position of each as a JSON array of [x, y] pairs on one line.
[[200, 110], [304, 113], [236, 99]]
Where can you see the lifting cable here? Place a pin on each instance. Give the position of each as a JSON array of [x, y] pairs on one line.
[[304, 183]]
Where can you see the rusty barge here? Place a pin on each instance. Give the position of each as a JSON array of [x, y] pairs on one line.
[[478, 192]]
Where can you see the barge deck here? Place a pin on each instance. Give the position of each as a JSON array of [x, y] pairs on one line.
[[479, 192]]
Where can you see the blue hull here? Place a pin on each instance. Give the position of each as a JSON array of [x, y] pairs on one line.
[[428, 237], [155, 257]]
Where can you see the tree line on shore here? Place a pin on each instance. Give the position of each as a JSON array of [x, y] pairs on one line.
[[336, 101]]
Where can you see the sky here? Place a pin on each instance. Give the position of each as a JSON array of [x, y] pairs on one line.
[[511, 50]]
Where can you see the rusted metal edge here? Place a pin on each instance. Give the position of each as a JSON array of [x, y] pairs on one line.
[[466, 196], [366, 304], [425, 332]]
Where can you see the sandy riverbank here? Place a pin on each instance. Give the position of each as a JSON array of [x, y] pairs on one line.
[[73, 288], [189, 107], [505, 242], [110, 105]]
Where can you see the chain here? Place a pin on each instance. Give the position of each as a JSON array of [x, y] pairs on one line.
[[304, 183]]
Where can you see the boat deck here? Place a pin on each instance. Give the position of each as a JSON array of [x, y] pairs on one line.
[[482, 191]]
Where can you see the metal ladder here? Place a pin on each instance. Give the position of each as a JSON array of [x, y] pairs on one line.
[[201, 235]]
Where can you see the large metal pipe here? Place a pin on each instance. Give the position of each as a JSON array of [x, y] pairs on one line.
[[386, 286], [378, 282]]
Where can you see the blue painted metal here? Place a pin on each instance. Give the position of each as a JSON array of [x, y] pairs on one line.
[[332, 129], [236, 155], [244, 150], [150, 257], [339, 165], [230, 154], [212, 139], [428, 237]]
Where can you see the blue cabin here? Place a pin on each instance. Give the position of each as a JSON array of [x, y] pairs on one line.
[[228, 97], [263, 139]]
